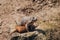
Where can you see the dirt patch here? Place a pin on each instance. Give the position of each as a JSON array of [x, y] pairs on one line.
[[47, 12]]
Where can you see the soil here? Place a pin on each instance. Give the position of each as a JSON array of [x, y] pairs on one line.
[[47, 12]]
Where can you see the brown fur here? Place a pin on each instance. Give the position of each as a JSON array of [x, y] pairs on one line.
[[19, 29]]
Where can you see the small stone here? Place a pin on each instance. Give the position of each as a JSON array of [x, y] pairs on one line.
[[0, 31], [0, 4]]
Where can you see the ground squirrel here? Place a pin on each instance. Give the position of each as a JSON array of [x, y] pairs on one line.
[[25, 22]]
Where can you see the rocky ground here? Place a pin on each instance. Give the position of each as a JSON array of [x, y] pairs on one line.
[[47, 12]]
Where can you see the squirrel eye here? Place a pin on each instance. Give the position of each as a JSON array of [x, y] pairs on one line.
[[33, 18]]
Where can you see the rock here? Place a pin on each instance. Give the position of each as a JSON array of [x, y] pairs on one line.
[[28, 36], [1, 22], [40, 37], [0, 31], [18, 36]]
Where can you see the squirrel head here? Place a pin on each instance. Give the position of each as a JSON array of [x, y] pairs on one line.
[[34, 19]]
